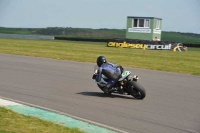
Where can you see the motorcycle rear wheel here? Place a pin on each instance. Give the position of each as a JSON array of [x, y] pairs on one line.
[[136, 90]]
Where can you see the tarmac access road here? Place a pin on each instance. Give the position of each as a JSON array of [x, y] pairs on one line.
[[172, 103]]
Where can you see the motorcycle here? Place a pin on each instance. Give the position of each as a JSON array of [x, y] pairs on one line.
[[126, 85]]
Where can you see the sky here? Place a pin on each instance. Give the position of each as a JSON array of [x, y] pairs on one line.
[[177, 15]]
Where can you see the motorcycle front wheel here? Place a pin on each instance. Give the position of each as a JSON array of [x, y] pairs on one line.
[[136, 90]]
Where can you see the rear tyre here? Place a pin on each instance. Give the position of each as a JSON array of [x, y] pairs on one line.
[[136, 90]]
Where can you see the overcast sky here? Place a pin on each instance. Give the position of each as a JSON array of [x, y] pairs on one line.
[[177, 15]]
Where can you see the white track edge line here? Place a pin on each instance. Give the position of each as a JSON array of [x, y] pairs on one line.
[[72, 116]]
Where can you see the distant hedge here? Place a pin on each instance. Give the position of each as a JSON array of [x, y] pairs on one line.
[[121, 40], [81, 39], [110, 40], [192, 45]]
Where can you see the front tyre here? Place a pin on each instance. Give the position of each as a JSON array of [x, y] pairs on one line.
[[136, 90]]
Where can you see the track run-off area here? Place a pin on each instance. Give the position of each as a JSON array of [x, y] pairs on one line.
[[171, 105]]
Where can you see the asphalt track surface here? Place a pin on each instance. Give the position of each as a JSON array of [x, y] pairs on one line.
[[172, 104]]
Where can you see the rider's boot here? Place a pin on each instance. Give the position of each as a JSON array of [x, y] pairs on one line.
[[120, 90], [108, 89]]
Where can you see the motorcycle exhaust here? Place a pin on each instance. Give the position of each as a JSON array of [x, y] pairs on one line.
[[135, 78]]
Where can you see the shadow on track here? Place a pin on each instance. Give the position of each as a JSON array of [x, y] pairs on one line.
[[100, 94]]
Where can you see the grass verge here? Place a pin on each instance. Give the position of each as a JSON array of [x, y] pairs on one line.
[[164, 60], [11, 122]]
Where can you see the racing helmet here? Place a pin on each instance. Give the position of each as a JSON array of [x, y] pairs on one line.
[[101, 60]]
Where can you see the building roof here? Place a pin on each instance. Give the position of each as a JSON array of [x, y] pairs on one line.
[[143, 17]]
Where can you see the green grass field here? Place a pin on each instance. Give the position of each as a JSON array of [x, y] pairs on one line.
[[178, 37], [11, 122], [15, 31], [179, 62]]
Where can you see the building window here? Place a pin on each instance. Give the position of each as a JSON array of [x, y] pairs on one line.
[[147, 23], [157, 24], [135, 23], [141, 23]]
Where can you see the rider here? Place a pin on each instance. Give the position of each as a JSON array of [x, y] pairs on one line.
[[109, 70]]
